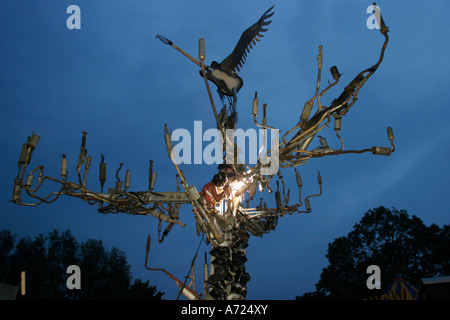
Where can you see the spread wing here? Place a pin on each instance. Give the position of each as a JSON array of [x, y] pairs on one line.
[[237, 58]]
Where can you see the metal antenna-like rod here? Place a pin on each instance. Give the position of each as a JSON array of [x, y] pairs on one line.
[[179, 283], [201, 53], [170, 43]]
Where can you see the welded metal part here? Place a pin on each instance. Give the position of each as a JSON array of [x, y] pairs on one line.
[[164, 197], [228, 279], [228, 232]]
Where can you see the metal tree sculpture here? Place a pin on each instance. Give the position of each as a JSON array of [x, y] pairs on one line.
[[229, 226]]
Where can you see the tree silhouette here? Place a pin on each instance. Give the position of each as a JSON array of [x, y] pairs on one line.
[[105, 274], [396, 242], [61, 253], [7, 241], [143, 291]]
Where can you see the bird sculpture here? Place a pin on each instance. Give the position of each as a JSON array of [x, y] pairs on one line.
[[224, 75]]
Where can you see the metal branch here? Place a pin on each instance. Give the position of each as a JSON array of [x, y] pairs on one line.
[[188, 292]]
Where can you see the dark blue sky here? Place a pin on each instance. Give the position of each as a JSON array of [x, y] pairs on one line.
[[113, 79]]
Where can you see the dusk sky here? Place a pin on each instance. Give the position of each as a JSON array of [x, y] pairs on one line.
[[115, 80]]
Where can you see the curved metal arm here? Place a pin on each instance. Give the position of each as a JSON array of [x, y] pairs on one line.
[[190, 294]]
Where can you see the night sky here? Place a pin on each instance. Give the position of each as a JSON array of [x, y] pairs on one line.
[[113, 79]]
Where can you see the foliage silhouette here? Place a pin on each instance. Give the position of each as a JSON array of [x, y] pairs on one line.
[[398, 243], [105, 274]]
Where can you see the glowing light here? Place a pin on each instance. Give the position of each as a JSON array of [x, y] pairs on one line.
[[238, 185]]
